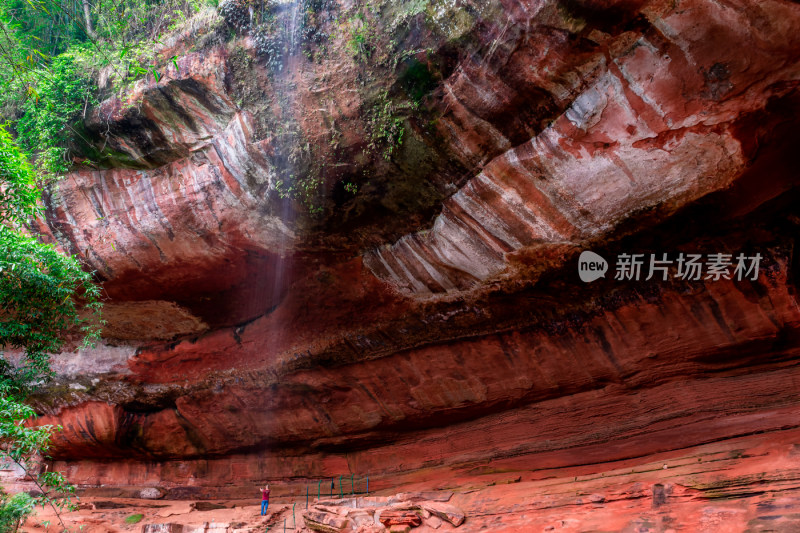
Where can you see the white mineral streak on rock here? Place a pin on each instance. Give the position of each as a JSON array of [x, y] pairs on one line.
[[91, 361], [584, 182]]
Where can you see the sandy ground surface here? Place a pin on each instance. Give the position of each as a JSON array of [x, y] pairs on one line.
[[237, 515], [95, 516]]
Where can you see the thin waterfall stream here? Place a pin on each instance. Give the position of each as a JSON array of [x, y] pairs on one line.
[[285, 165]]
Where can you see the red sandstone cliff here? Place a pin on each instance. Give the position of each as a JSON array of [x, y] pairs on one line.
[[433, 323]]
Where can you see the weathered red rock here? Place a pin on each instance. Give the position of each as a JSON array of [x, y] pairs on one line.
[[433, 496], [432, 332], [162, 528], [433, 522], [445, 511], [324, 522], [390, 517]]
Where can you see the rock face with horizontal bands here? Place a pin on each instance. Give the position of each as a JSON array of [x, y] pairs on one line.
[[434, 320]]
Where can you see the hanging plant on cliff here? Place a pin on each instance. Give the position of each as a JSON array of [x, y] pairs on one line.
[[386, 124]]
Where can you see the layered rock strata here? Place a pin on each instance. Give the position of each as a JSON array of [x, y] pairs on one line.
[[433, 323]]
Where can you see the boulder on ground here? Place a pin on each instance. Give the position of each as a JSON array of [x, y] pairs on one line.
[[392, 517], [324, 522], [151, 493], [433, 522], [360, 517], [162, 528], [404, 505], [370, 528]]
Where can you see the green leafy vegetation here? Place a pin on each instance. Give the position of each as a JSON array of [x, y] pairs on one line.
[[41, 290], [134, 518], [14, 510], [386, 124], [61, 96], [26, 447], [362, 37], [305, 188], [53, 52], [238, 14], [42, 293], [301, 176], [414, 8], [269, 44], [317, 17]]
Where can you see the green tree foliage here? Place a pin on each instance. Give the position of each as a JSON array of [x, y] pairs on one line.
[[18, 193], [51, 27], [26, 447], [61, 96], [41, 290], [14, 510], [52, 53], [41, 293]]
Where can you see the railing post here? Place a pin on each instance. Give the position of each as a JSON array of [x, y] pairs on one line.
[[352, 487], [341, 494], [367, 485]]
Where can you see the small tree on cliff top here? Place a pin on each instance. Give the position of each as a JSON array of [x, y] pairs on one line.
[[41, 292]]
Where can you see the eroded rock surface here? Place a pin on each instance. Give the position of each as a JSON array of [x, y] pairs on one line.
[[432, 326]]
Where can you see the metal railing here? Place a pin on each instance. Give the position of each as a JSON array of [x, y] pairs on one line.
[[351, 486], [340, 487]]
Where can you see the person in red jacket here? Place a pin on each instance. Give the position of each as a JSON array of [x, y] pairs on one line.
[[264, 499]]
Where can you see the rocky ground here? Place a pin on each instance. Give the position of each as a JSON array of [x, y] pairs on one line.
[[750, 483]]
